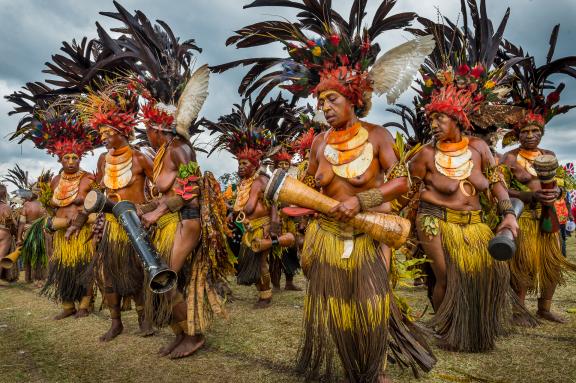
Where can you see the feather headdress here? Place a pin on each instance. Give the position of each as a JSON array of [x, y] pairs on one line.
[[175, 94], [50, 123], [112, 103], [466, 59], [18, 177], [252, 129], [531, 82], [325, 50]]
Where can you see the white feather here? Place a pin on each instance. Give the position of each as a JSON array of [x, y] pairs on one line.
[[394, 71], [191, 100]]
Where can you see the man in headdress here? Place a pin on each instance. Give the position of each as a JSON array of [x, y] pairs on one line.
[[33, 255], [122, 173], [247, 133], [288, 262], [187, 209]]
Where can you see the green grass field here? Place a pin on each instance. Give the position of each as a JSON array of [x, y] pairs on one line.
[[249, 346]]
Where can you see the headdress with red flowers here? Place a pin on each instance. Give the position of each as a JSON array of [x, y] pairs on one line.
[[164, 66], [111, 103], [454, 102], [531, 82], [465, 60], [50, 123], [282, 155], [304, 142], [326, 51], [252, 129]]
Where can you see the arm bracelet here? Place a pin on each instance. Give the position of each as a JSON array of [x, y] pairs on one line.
[[175, 203], [80, 219], [370, 198], [505, 207]]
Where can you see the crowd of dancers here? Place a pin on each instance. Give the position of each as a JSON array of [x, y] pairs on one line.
[[318, 188]]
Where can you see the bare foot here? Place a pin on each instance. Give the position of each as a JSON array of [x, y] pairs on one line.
[[521, 320], [82, 313], [291, 287], [384, 379], [188, 346], [171, 346], [146, 328], [549, 316], [262, 303], [65, 314], [419, 282], [115, 329]]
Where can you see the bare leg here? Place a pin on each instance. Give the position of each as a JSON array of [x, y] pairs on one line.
[[433, 249], [185, 241], [544, 304], [189, 344], [144, 324], [68, 309], [520, 319], [85, 303], [264, 291], [27, 272], [116, 326]]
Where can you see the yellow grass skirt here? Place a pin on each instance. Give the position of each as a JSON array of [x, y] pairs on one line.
[[477, 305], [538, 261], [349, 308], [68, 266]]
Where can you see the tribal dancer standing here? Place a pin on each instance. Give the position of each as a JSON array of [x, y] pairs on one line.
[[6, 238], [62, 134], [288, 262], [461, 94], [122, 172], [247, 135], [31, 232], [30, 211], [187, 211], [349, 307], [538, 264]]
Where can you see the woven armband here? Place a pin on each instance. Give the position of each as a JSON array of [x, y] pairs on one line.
[[370, 198], [148, 207], [400, 169], [494, 175], [80, 219], [175, 203], [505, 207], [310, 181]]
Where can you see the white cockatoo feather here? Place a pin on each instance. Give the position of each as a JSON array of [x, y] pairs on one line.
[[394, 71], [191, 100]]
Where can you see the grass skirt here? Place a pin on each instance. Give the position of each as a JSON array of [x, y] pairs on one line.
[[538, 261], [249, 270], [67, 266], [477, 306], [348, 307], [118, 261]]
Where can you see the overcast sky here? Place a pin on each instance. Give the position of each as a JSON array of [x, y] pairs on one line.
[[32, 30]]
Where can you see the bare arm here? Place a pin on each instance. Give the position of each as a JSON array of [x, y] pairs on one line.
[[387, 158], [255, 194], [146, 163]]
